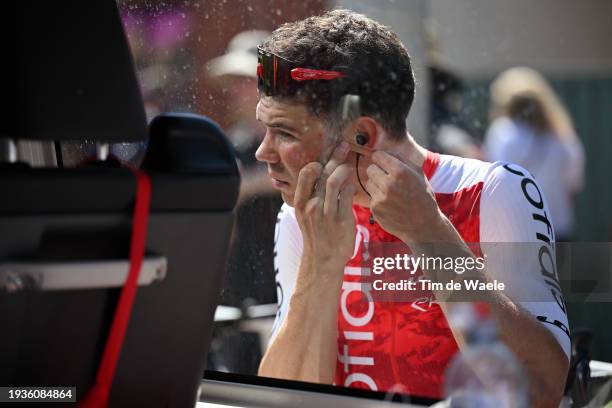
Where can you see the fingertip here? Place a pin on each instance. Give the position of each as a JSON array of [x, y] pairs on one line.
[[342, 150], [312, 169], [383, 157], [377, 156]]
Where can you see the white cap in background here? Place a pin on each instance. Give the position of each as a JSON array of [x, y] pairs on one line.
[[240, 57]]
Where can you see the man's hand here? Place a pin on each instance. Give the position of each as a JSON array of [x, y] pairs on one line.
[[403, 204], [323, 208], [305, 347], [402, 200]]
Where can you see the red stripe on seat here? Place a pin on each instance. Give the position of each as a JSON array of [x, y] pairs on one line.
[[98, 396]]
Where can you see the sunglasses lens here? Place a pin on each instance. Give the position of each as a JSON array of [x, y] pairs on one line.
[[273, 74], [265, 75]]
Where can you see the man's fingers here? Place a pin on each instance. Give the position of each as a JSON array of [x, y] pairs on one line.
[[305, 184], [345, 202], [375, 192], [334, 183], [376, 196], [384, 160], [376, 175], [338, 157], [389, 163]]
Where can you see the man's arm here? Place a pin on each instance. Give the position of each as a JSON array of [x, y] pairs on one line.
[[533, 345], [403, 204], [305, 346]]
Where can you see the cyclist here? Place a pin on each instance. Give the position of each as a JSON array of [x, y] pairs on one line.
[[351, 181]]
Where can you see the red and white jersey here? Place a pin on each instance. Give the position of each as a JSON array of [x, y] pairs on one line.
[[384, 344]]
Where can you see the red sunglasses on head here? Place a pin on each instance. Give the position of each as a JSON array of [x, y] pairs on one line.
[[279, 76]]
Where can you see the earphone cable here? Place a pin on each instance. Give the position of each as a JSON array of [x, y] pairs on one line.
[[359, 178]]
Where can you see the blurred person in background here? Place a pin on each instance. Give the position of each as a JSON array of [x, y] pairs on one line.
[[250, 270], [449, 132], [250, 263], [532, 128], [234, 73]]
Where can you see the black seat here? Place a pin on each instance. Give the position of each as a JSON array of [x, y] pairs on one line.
[[65, 232]]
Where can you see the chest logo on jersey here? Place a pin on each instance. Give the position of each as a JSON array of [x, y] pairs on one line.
[[354, 329]]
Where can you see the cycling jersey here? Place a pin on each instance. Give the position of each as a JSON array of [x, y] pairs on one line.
[[383, 344]]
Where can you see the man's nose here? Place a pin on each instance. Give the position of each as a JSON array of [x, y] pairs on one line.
[[266, 152]]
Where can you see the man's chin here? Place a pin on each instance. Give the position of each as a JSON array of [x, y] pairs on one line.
[[287, 197]]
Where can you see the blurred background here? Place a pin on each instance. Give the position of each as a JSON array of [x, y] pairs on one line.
[[198, 56]]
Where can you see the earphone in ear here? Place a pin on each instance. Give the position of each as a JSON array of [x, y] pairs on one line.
[[361, 149], [361, 139]]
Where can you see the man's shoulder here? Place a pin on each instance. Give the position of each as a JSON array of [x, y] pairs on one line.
[[286, 210], [287, 235], [455, 173], [286, 216], [498, 186]]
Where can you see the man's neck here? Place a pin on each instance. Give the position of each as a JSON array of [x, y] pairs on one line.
[[408, 151]]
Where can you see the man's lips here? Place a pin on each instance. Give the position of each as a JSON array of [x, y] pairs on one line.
[[277, 182]]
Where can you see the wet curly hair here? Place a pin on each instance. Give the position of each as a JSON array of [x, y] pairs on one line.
[[377, 63]]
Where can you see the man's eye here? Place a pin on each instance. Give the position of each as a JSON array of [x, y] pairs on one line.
[[285, 135]]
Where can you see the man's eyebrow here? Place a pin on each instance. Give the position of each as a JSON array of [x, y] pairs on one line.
[[281, 125]]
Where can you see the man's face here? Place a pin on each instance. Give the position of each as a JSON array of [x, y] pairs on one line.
[[294, 137]]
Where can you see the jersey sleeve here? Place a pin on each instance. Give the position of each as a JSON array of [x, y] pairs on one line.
[[288, 247], [517, 239]]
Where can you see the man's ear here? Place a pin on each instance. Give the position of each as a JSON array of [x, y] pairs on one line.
[[366, 128]]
